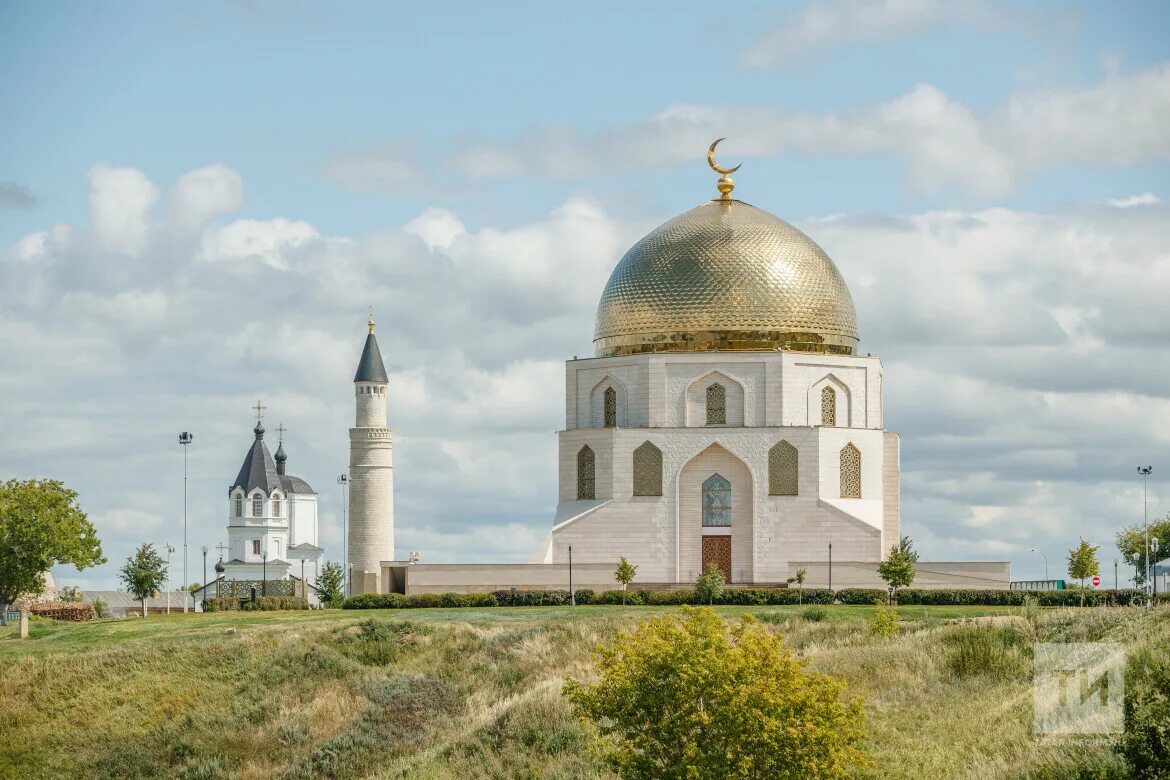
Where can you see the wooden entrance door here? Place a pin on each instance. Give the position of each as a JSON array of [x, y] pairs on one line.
[[717, 550]]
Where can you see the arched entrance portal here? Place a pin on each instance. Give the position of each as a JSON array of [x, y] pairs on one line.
[[715, 516]]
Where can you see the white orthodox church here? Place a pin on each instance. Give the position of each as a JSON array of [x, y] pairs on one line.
[[272, 520]]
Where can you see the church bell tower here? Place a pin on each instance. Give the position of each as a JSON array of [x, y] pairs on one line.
[[371, 474]]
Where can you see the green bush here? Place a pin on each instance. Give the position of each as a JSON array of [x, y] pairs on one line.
[[884, 621], [99, 608], [668, 597], [633, 598], [991, 651], [479, 600], [1145, 744], [862, 595], [584, 596], [815, 614], [375, 601], [531, 598], [1015, 598]]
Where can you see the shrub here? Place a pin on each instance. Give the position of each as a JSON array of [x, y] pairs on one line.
[[479, 600], [759, 712], [862, 595], [274, 603], [884, 621], [668, 597], [815, 613], [710, 584], [633, 598], [375, 601], [584, 596], [1145, 744], [532, 598], [991, 651], [99, 608]]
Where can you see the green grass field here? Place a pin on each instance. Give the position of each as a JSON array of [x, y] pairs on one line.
[[475, 693]]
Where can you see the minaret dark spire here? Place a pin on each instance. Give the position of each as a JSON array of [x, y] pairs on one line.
[[370, 367]]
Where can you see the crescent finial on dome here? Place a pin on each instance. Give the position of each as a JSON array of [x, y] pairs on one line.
[[725, 184]]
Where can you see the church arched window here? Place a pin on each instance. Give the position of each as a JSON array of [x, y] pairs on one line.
[[610, 407], [239, 506], [716, 404], [647, 470], [275, 505], [586, 476], [257, 506], [828, 406], [850, 471], [716, 501], [783, 470]]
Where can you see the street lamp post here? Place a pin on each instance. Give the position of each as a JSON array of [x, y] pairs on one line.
[[572, 598], [185, 438], [1115, 574], [264, 575], [1154, 568], [343, 480], [167, 581], [1145, 471], [204, 548], [1045, 557], [830, 565]]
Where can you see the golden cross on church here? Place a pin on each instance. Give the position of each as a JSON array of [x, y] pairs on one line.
[[259, 410]]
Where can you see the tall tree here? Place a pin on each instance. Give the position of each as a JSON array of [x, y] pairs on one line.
[[329, 583], [1082, 563], [898, 568], [41, 525], [1131, 543], [144, 573], [625, 575]]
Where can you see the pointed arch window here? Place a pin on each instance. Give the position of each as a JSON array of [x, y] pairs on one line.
[[828, 406], [239, 506], [257, 506], [716, 404], [850, 471], [610, 407], [716, 502], [275, 505], [647, 470], [783, 470], [586, 474]]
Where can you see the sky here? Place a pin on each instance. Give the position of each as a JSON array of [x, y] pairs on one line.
[[199, 201]]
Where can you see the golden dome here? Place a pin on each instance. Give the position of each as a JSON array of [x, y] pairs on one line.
[[725, 276]]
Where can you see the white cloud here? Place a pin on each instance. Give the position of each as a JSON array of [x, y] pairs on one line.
[[1145, 199], [205, 193], [942, 142], [1024, 366], [120, 202]]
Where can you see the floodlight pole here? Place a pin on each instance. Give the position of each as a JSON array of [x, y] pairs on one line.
[[204, 572], [343, 480], [185, 438], [1144, 471], [572, 598], [830, 565], [1154, 569], [1045, 557], [167, 582]]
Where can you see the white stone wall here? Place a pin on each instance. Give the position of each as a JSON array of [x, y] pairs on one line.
[[371, 488]]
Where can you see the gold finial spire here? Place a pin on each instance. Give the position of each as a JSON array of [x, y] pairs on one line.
[[725, 184], [371, 322]]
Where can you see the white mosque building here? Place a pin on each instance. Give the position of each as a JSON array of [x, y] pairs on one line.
[[728, 417]]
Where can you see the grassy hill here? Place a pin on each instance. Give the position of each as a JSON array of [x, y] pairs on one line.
[[476, 693]]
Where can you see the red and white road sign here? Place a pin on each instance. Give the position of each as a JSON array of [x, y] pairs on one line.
[[1096, 582]]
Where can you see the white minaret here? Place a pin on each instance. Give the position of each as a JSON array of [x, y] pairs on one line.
[[371, 474]]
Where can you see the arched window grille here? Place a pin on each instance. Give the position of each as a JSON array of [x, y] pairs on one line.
[[716, 501], [257, 506], [783, 470], [716, 404], [610, 407], [828, 406], [586, 476], [239, 506], [276, 506], [647, 470], [850, 471]]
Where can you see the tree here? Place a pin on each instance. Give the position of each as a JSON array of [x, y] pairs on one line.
[[329, 583], [143, 574], [1082, 563], [194, 586], [898, 568], [1131, 543], [692, 696], [799, 577], [709, 585], [625, 575], [41, 525]]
